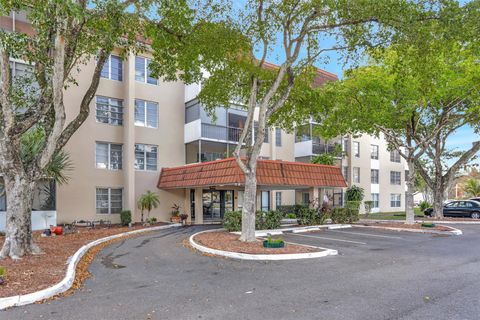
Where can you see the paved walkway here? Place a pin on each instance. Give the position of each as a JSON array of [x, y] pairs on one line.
[[383, 275]]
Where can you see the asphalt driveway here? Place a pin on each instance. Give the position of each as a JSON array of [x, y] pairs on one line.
[[377, 275]]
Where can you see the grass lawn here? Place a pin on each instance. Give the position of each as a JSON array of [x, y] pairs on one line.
[[400, 215]]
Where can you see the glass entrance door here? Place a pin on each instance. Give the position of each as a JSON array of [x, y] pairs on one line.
[[216, 203]]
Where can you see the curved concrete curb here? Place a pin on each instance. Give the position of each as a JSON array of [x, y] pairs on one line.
[[260, 257], [454, 231], [67, 281]]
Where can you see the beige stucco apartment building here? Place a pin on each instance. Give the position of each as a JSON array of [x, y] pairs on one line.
[[139, 125]]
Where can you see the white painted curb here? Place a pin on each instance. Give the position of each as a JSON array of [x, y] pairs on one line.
[[67, 281], [246, 256], [454, 231]]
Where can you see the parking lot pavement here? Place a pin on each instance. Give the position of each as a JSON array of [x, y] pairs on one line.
[[354, 240]]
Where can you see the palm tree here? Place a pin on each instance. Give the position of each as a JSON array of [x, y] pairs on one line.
[[472, 187], [148, 201]]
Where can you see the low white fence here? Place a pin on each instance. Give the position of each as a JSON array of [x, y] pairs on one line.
[[40, 220]]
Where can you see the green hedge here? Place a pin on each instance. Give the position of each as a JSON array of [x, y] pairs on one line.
[[289, 209], [232, 220], [344, 215]]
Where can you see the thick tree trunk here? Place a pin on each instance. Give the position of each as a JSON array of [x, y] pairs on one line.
[[438, 198], [409, 203], [248, 210], [18, 235]]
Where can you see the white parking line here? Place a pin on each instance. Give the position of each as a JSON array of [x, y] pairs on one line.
[[326, 238], [367, 234]]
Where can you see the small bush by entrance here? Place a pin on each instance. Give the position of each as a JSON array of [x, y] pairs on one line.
[[344, 215], [232, 220]]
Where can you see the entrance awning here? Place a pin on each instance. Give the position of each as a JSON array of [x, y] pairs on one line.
[[270, 173]]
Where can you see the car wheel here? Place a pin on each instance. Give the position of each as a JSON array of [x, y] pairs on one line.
[[475, 215]]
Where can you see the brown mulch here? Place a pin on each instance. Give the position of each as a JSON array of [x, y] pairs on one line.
[[226, 241], [36, 272], [406, 226]]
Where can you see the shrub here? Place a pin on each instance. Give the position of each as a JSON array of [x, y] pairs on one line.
[[288, 209], [354, 193], [291, 216], [424, 205], [268, 220], [232, 221], [344, 215], [307, 216], [125, 217], [152, 220], [368, 207]]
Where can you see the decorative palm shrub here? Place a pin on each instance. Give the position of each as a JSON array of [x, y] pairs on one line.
[[424, 205], [472, 187], [148, 201]]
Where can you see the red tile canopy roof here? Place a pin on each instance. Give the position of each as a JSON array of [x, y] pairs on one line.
[[274, 173]]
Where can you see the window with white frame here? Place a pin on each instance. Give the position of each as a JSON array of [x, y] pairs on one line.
[[109, 110], [306, 198], [113, 68], [278, 137], [356, 149], [395, 200], [142, 71], [395, 177], [395, 156], [374, 176], [356, 174], [278, 199], [345, 172], [374, 151], [146, 157], [108, 156], [375, 200], [109, 200], [146, 113]]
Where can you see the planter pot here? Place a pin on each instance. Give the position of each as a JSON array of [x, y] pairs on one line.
[[428, 225], [266, 244], [175, 219]]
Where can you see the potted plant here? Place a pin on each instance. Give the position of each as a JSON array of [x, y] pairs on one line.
[[176, 214], [184, 218], [148, 201], [3, 276], [273, 243]]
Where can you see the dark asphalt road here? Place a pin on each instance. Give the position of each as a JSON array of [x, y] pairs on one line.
[[377, 275]]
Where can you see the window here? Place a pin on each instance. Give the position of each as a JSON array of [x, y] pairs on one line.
[[356, 149], [146, 113], [395, 177], [145, 157], [395, 200], [109, 200], [374, 176], [109, 111], [265, 201], [374, 151], [395, 156], [306, 198], [278, 199], [345, 145], [142, 71], [376, 200], [278, 137], [345, 172], [113, 68], [108, 156], [356, 174]]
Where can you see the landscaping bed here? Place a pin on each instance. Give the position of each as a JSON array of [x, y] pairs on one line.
[[225, 241], [36, 272], [399, 225]]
